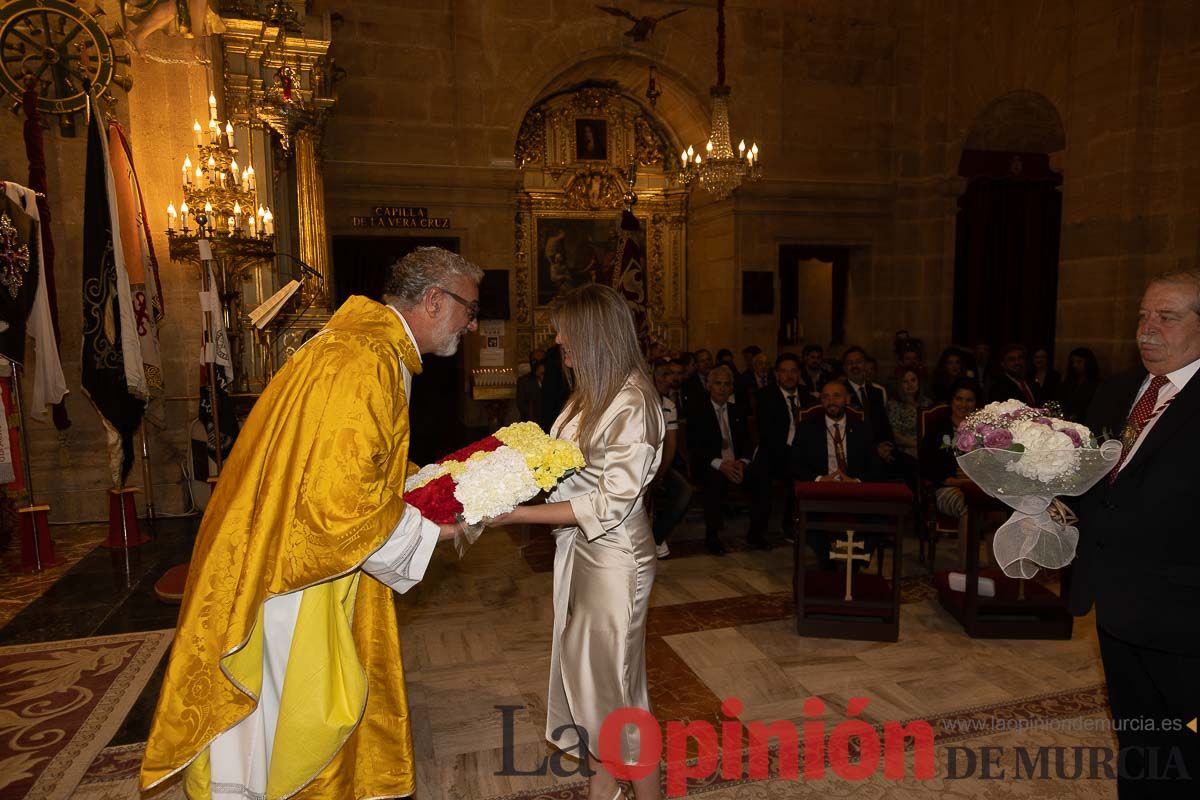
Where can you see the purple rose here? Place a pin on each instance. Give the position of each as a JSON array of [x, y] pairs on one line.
[[998, 439], [1073, 435], [1049, 423], [965, 441], [984, 428]]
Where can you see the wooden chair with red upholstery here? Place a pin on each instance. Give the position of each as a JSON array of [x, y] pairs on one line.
[[936, 525]]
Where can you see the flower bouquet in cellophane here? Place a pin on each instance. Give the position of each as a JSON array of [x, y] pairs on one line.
[[490, 477], [1023, 457]]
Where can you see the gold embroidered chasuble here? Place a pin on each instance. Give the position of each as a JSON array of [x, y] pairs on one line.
[[312, 488]]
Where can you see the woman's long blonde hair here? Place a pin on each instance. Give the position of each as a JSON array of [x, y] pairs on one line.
[[597, 326]]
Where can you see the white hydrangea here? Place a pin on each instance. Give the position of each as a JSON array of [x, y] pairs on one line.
[[494, 485], [1005, 407], [1049, 454]]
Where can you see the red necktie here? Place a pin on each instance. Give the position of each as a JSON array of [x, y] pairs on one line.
[[839, 451], [1139, 417], [1029, 398]]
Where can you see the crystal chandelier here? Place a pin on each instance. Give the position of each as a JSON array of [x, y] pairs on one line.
[[719, 169]]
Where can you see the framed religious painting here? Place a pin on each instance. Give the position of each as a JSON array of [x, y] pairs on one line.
[[591, 140], [572, 251]]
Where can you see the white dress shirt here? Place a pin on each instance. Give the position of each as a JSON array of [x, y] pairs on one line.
[[1175, 382], [727, 454]]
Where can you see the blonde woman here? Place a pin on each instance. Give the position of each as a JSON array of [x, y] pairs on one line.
[[604, 563]]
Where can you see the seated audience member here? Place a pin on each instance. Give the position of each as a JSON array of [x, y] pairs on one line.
[[1044, 377], [669, 490], [835, 447], [873, 377], [911, 356], [752, 380], [1012, 383], [1078, 386], [777, 414], [748, 354], [719, 446], [951, 367], [814, 372], [725, 356], [867, 398], [903, 410], [696, 384], [982, 369], [939, 466]]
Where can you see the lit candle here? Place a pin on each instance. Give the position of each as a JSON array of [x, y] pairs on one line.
[[754, 149], [741, 146], [232, 228], [248, 178], [708, 147], [214, 131], [199, 174], [212, 106], [187, 170], [269, 222], [197, 133], [229, 133], [234, 173], [171, 217], [250, 220], [221, 179], [237, 213], [208, 208], [683, 157], [697, 159], [690, 152], [183, 214]]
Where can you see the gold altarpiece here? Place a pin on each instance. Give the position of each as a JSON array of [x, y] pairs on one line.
[[576, 149], [278, 80]]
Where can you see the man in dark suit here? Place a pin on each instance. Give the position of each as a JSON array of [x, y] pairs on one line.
[[695, 384], [719, 445], [1013, 381], [777, 414], [868, 398], [1139, 546], [757, 377], [813, 373], [835, 447]]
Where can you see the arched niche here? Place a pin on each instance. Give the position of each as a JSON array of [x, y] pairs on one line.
[[1018, 122], [577, 147]]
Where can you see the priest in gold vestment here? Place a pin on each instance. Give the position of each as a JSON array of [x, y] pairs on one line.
[[285, 678]]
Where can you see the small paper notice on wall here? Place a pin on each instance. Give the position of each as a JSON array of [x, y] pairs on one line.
[[491, 327], [491, 357]]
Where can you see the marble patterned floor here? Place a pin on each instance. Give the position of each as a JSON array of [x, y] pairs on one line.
[[476, 638]]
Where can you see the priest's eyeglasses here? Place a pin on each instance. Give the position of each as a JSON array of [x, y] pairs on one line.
[[472, 306]]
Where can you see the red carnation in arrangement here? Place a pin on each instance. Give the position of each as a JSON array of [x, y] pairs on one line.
[[435, 500], [484, 445]]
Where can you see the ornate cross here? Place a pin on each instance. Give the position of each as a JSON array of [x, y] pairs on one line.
[[14, 258], [845, 551]]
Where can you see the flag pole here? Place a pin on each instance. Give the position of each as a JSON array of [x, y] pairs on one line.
[[150, 516]]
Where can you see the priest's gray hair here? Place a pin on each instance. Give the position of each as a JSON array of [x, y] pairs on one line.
[[1190, 277], [423, 269]]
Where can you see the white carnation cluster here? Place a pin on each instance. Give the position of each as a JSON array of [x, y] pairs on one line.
[[1048, 455], [424, 476], [495, 485]]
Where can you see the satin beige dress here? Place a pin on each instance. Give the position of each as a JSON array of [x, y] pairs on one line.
[[603, 571]]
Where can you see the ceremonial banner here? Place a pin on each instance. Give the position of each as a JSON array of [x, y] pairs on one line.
[[35, 152], [141, 266], [113, 377], [216, 352]]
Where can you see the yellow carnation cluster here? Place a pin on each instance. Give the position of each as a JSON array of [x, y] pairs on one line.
[[547, 458]]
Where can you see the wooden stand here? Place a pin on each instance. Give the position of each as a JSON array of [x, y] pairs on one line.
[[1021, 609], [37, 549], [822, 607], [123, 528]]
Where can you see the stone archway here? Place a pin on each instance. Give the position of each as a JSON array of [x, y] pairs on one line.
[[1008, 224]]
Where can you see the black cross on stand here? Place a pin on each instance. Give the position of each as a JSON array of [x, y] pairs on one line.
[[846, 552]]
